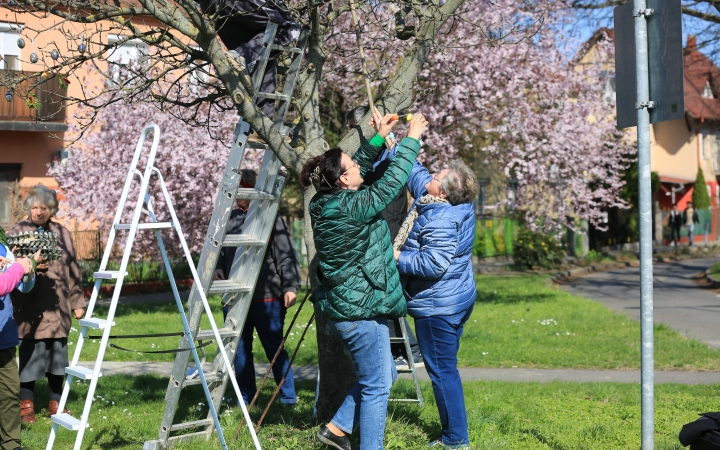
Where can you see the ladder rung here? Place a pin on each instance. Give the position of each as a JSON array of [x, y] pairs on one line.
[[107, 274], [253, 144], [193, 424], [286, 49], [94, 323], [280, 97], [242, 240], [144, 225], [397, 340], [252, 194], [209, 377], [227, 287], [81, 372], [204, 335], [413, 400], [405, 370], [67, 421]]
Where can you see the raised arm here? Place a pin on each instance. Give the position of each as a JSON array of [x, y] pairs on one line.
[[419, 177]]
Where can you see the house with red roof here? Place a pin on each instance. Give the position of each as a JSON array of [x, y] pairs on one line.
[[679, 147]]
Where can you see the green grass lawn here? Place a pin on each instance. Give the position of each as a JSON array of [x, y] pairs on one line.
[[518, 321], [501, 415]]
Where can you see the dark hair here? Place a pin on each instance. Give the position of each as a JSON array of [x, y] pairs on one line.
[[329, 169], [356, 114]]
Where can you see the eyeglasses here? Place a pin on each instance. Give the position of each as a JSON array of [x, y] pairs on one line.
[[354, 164]]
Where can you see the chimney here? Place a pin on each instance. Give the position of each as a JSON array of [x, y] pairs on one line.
[[691, 43]]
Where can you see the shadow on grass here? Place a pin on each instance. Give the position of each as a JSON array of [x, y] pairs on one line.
[[510, 298], [543, 439]]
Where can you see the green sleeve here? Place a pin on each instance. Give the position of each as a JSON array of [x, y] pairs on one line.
[[368, 203], [368, 152]]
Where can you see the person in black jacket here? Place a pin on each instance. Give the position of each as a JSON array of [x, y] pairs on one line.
[[241, 26], [394, 214], [675, 221], [275, 291]]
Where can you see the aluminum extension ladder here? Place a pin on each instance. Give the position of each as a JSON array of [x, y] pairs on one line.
[[403, 339], [95, 323], [237, 290]]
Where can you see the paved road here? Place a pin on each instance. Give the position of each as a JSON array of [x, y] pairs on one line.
[[467, 374], [678, 301]]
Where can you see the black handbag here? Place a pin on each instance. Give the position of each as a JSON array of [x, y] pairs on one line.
[[702, 434]]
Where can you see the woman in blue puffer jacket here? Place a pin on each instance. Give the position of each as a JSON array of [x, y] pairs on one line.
[[433, 249]]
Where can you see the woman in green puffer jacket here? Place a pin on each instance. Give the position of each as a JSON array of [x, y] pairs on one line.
[[359, 282]]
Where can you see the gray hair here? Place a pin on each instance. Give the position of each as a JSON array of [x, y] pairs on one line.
[[460, 183], [356, 114], [40, 194]]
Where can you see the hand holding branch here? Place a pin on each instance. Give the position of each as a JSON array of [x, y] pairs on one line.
[[383, 125]]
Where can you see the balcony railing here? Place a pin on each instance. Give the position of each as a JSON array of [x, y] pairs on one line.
[[51, 110]]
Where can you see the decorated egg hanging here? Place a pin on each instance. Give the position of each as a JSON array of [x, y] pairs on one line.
[[9, 96], [82, 47], [54, 54], [33, 57], [21, 42]]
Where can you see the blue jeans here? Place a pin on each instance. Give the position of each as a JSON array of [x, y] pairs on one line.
[[369, 344], [268, 319], [439, 339]]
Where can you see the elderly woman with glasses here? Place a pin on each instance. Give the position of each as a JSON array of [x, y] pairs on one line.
[[44, 315], [433, 250], [359, 286]]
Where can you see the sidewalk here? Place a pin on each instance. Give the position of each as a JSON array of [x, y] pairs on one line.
[[467, 374]]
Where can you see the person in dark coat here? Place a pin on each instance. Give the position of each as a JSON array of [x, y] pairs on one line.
[[394, 214], [44, 315], [241, 26], [275, 291], [675, 223]]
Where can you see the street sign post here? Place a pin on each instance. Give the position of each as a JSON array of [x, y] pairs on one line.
[[649, 80], [665, 64]]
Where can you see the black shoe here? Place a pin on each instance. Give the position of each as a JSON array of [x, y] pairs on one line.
[[328, 438]]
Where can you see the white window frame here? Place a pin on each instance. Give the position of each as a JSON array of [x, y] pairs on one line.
[[10, 52], [133, 48], [716, 158], [704, 142], [707, 90]]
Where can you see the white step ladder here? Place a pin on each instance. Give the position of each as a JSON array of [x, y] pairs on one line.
[[403, 339], [237, 290], [105, 324]]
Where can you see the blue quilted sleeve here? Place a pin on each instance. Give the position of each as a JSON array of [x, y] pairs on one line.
[[438, 241]]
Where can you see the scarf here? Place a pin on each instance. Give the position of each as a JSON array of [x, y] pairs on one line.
[[412, 217]]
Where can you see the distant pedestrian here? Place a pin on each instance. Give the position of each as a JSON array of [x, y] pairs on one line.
[[675, 223], [690, 218]]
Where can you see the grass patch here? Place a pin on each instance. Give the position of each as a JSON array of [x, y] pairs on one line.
[[518, 321], [147, 318], [501, 415], [522, 321], [715, 269]]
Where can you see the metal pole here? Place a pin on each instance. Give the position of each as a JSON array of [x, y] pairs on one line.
[[642, 106]]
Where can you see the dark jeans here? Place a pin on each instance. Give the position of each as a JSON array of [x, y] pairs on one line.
[[675, 234], [268, 319], [439, 339], [9, 400]]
